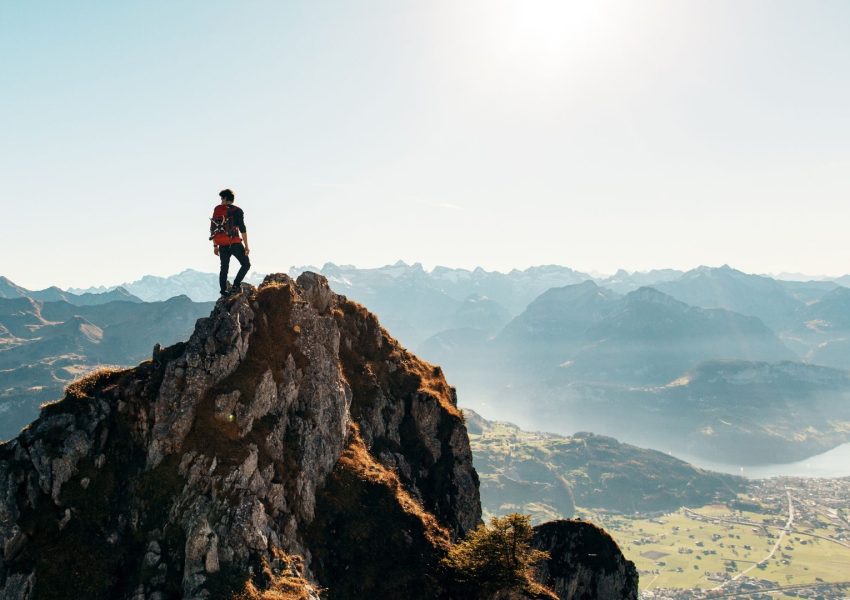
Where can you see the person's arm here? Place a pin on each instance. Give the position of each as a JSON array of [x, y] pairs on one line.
[[215, 246], [240, 223]]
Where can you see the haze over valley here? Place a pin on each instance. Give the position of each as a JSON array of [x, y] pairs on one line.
[[712, 363]]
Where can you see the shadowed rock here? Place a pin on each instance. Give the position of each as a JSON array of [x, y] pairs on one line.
[[585, 563]]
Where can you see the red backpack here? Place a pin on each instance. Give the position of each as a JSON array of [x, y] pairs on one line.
[[222, 228]]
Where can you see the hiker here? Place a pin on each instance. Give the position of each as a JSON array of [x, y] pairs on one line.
[[227, 222]]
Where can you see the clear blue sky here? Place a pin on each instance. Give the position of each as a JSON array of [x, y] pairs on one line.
[[503, 134]]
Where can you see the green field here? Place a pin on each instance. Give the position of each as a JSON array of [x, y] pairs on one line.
[[678, 551]]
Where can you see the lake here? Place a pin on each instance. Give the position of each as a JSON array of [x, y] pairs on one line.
[[834, 463]]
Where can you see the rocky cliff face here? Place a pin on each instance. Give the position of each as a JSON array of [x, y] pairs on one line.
[[585, 563], [290, 444]]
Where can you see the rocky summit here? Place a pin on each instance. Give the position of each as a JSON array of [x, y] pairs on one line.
[[290, 449]]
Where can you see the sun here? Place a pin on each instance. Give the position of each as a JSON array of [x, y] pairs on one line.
[[551, 27], [542, 38]]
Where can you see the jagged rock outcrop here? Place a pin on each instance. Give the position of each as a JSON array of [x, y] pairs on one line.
[[182, 476], [585, 563], [290, 444]]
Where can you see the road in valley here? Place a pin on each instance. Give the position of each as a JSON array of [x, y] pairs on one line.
[[785, 530]]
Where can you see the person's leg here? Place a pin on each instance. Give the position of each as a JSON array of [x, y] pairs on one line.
[[224, 254], [239, 252]]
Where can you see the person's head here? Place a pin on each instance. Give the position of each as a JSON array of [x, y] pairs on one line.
[[227, 196]]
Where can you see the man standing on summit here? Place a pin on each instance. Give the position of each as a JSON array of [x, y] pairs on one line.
[[226, 225]]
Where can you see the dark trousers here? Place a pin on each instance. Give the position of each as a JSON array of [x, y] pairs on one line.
[[224, 253]]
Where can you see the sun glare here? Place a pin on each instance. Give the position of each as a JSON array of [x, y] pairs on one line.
[[541, 44], [550, 27], [553, 33]]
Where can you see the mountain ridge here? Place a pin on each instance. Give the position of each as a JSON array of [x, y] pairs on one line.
[[46, 345], [9, 289], [549, 474]]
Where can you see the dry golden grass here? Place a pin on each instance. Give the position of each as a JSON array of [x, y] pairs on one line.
[[357, 459], [286, 584], [83, 387], [540, 591], [433, 383], [374, 347]]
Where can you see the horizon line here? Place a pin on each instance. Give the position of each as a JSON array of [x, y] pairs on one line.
[[592, 275]]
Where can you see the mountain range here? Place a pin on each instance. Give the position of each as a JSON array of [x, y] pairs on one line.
[[412, 302], [9, 289], [644, 337], [45, 345], [547, 475], [734, 412], [195, 285], [543, 341], [436, 295]]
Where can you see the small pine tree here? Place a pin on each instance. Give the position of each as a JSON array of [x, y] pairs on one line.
[[496, 556]]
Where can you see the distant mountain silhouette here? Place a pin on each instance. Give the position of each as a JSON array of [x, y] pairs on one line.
[[414, 303], [46, 345], [196, 285], [624, 282], [480, 312], [831, 312], [584, 332], [76, 337], [650, 369], [808, 291], [554, 325], [736, 412], [417, 304], [652, 338], [9, 289], [513, 290], [823, 330], [20, 316], [546, 474], [564, 312], [728, 288]]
